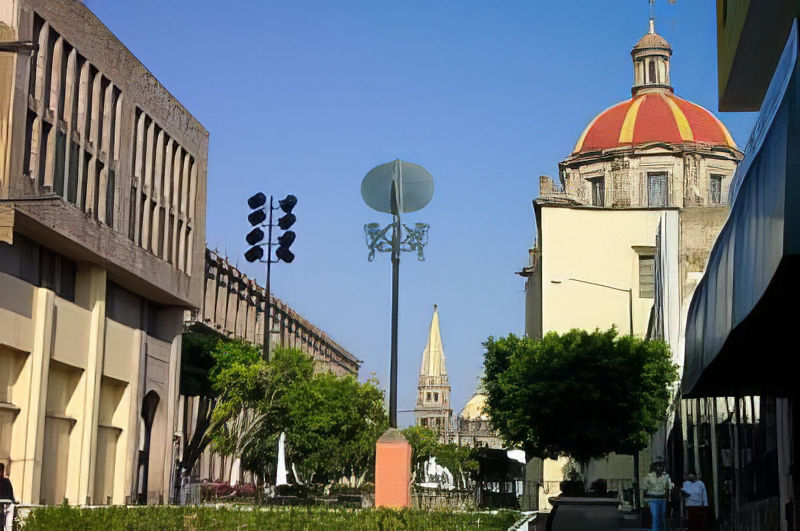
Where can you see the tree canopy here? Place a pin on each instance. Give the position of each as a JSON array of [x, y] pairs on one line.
[[331, 422], [581, 394]]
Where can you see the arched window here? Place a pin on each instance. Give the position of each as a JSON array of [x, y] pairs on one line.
[[651, 64]]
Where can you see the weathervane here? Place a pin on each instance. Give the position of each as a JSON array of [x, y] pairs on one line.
[[394, 188], [653, 14]]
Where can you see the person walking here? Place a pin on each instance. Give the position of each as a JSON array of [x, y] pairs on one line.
[[696, 496], [657, 487], [6, 500]]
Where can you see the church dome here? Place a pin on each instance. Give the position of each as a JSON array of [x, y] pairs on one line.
[[651, 41], [657, 116], [473, 410], [654, 113]]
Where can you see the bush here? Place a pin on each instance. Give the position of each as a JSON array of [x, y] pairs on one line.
[[180, 518]]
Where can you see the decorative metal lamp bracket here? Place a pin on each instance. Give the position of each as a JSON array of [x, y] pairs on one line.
[[379, 239]]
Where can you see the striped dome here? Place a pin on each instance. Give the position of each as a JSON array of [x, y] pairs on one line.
[[657, 116]]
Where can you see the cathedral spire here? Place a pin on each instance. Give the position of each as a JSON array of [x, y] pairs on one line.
[[432, 409], [433, 363]]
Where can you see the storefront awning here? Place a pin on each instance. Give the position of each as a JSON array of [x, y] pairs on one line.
[[739, 328]]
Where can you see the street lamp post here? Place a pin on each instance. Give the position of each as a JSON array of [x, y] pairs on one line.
[[636, 503]]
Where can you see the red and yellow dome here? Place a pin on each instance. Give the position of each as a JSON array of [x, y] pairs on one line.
[[657, 116]]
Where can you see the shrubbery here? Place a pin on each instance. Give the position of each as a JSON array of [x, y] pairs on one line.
[[191, 518]]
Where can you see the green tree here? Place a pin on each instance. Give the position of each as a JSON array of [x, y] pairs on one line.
[[581, 394], [332, 424], [196, 362], [251, 408], [424, 442]]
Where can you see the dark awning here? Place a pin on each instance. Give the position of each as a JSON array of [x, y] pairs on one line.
[[739, 327]]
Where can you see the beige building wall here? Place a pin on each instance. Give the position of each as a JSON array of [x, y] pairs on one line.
[[102, 185], [600, 246]]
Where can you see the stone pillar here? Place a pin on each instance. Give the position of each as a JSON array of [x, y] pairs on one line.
[[393, 470]]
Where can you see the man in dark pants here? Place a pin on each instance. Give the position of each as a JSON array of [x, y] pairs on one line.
[[6, 499]]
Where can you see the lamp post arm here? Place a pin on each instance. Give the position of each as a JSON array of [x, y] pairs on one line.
[[629, 291]]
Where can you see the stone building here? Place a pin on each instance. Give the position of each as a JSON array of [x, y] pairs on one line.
[[473, 425], [654, 162], [432, 409], [102, 229]]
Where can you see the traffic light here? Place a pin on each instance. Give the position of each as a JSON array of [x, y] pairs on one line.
[[256, 236], [286, 239]]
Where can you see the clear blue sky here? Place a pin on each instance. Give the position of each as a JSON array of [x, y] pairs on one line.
[[305, 97]]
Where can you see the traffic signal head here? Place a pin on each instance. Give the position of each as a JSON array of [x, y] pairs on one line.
[[286, 221], [287, 203], [255, 236], [284, 254], [254, 253], [286, 239], [257, 217], [257, 200]]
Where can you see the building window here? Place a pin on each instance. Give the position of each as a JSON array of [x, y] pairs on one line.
[[647, 278], [715, 189], [435, 397], [428, 397], [598, 191], [657, 189]]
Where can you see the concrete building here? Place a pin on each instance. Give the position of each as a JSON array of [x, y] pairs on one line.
[[233, 306], [432, 409], [654, 160], [102, 230]]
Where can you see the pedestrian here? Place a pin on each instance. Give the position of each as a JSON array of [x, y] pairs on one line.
[[6, 499], [694, 492], [657, 487]]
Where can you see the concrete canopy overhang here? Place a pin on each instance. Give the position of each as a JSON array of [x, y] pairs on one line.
[[750, 38], [738, 329], [67, 230]]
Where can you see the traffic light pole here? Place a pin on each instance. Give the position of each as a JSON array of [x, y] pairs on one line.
[[268, 303]]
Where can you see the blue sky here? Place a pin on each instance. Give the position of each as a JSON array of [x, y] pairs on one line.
[[305, 97]]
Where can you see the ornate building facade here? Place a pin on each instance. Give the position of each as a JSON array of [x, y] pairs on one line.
[[432, 409], [473, 425]]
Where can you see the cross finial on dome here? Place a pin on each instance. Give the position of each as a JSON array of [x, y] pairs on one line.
[[652, 16]]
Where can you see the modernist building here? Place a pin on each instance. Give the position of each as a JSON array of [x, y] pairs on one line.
[[432, 409], [102, 230], [654, 160], [233, 306], [737, 359]]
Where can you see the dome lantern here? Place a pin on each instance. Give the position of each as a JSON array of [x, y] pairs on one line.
[[651, 63]]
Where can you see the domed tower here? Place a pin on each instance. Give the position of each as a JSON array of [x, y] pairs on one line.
[[652, 150]]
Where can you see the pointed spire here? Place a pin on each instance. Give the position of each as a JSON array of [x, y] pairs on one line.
[[433, 363], [652, 17]]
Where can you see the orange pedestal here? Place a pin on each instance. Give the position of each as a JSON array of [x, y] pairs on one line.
[[392, 470]]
